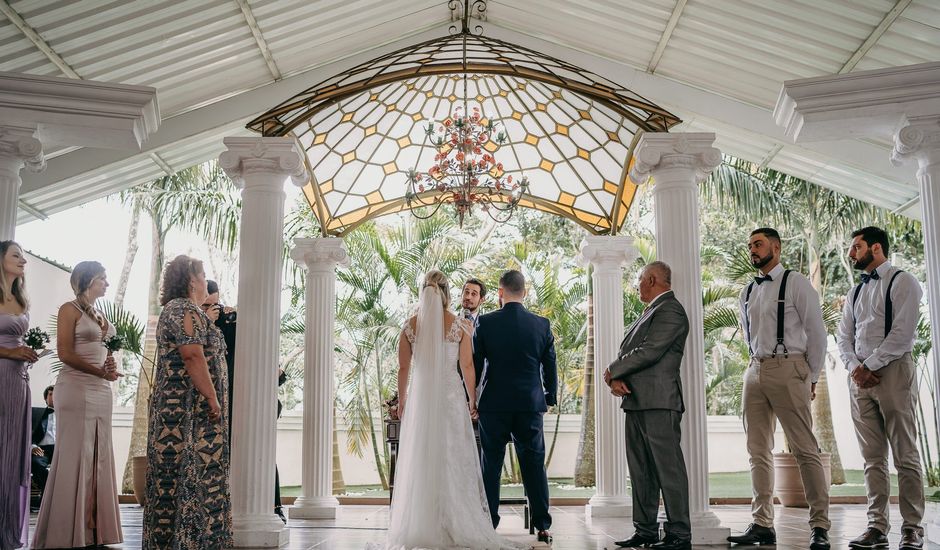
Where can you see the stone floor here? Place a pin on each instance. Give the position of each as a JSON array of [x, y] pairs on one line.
[[355, 526]]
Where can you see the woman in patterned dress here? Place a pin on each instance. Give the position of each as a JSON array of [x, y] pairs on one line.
[[14, 398], [188, 501]]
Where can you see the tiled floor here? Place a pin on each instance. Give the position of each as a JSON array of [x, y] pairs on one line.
[[355, 526]]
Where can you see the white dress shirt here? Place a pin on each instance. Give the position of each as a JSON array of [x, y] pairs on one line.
[[861, 336], [49, 438], [804, 331]]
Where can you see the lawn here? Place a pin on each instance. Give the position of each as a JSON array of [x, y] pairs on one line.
[[724, 485]]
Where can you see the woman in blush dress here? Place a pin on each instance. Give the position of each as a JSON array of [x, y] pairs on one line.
[[80, 504], [14, 398]]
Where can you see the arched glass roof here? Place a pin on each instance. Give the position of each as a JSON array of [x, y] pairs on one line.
[[570, 131]]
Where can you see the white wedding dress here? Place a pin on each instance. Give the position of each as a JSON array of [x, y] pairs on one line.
[[439, 501]]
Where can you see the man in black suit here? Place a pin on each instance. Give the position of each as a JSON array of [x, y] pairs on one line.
[[44, 431], [645, 375], [515, 349]]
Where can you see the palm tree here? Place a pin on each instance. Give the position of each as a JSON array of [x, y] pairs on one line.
[[199, 199]]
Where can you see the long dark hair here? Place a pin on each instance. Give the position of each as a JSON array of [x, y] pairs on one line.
[[176, 278], [18, 289]]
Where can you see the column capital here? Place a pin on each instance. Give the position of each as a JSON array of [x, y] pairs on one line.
[[606, 252], [246, 156], [693, 151], [919, 140], [21, 145], [320, 253]]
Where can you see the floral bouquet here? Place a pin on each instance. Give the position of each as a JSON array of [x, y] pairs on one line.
[[115, 343], [36, 338], [391, 406]]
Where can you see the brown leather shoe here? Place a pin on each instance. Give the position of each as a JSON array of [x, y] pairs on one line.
[[911, 539], [871, 538]]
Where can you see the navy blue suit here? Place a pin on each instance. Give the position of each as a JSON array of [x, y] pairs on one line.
[[514, 357]]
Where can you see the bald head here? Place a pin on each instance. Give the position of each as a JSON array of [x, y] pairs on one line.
[[655, 278]]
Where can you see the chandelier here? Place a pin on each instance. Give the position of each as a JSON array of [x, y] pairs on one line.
[[465, 170]]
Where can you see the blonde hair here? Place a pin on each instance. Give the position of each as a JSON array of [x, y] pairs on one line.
[[83, 275], [18, 288], [436, 279]]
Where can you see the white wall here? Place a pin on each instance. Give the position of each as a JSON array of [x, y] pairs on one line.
[[48, 287]]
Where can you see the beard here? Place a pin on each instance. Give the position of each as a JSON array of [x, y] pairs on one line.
[[863, 262], [759, 262]]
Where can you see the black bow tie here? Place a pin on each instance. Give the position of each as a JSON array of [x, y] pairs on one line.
[[760, 280], [866, 277]]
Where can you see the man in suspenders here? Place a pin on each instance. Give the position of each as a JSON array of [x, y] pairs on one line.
[[786, 336], [875, 340]]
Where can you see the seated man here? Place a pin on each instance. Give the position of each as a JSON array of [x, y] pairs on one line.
[[44, 424]]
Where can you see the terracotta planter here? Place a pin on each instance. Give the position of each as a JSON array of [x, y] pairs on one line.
[[789, 485], [139, 465]]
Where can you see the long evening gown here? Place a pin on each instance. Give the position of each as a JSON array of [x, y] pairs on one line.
[[80, 503], [14, 436]]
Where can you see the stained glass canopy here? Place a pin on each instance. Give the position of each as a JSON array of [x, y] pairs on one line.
[[570, 132]]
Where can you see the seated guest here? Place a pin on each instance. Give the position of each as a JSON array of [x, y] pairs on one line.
[[43, 442]]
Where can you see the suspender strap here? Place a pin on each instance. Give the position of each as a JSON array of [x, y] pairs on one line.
[[747, 322], [780, 310], [858, 290], [889, 309]]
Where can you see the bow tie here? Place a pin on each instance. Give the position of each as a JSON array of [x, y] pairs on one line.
[[760, 280], [866, 277]]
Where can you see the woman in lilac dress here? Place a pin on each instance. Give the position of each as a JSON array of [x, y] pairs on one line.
[[14, 398]]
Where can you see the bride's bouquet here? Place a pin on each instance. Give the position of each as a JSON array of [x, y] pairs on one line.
[[114, 343]]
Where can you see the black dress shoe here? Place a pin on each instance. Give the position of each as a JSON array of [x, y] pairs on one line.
[[871, 538], [672, 542], [638, 541], [911, 539], [545, 536], [755, 534], [819, 539]]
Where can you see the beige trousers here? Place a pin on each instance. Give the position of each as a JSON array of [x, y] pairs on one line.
[[779, 388], [886, 414]]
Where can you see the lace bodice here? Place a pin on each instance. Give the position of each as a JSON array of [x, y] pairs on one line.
[[458, 328]]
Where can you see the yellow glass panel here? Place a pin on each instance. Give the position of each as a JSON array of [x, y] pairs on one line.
[[404, 141], [556, 94], [480, 98], [370, 130], [429, 94], [503, 93], [373, 97], [349, 157], [540, 106], [491, 146], [547, 165], [530, 139], [584, 114], [516, 115], [584, 154], [566, 199], [610, 187], [559, 129], [390, 108], [319, 139], [452, 98], [374, 197], [613, 136], [326, 187], [347, 117], [390, 167], [416, 117]]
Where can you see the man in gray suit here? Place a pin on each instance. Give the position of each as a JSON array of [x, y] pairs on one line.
[[645, 376]]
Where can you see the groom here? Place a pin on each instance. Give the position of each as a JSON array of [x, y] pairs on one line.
[[515, 350]]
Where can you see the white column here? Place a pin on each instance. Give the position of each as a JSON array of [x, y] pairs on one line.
[[260, 166], [18, 147], [920, 141], [607, 255], [320, 257], [677, 163]]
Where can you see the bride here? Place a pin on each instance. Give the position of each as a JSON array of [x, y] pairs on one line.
[[439, 501]]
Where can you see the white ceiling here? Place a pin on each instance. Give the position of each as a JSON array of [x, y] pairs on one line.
[[718, 64]]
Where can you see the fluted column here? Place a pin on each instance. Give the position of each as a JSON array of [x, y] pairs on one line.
[[320, 257], [18, 147], [677, 163], [260, 167], [607, 255], [920, 141]]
